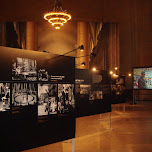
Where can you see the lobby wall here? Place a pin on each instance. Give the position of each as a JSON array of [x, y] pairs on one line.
[[57, 41]]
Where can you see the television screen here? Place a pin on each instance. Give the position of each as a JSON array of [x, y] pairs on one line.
[[142, 78]]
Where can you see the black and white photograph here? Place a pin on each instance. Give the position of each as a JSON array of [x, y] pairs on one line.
[[99, 94], [85, 89], [92, 95], [4, 97], [43, 75], [24, 69], [95, 95], [24, 94], [47, 102], [66, 101]]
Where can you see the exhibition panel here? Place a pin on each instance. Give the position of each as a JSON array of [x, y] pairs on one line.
[[37, 98], [93, 92]]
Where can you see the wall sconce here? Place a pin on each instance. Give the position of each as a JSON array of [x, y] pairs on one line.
[[81, 47], [83, 64], [93, 54]]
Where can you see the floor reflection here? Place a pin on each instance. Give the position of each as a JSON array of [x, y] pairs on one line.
[[128, 131]]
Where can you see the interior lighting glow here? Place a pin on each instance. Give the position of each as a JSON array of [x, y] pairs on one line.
[[129, 74], [116, 68], [111, 72], [57, 18], [94, 69]]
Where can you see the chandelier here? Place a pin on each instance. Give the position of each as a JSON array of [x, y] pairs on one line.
[[57, 17]]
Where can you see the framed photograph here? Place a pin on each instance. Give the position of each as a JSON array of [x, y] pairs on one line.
[[24, 69], [47, 99], [24, 94], [66, 101], [43, 75], [4, 97], [85, 89]]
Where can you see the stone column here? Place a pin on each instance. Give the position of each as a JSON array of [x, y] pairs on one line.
[[31, 36], [3, 34], [83, 39]]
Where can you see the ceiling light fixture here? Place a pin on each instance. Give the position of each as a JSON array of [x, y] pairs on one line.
[[57, 17]]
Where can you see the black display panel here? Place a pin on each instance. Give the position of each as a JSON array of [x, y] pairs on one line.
[[57, 69], [93, 92], [142, 78], [28, 89]]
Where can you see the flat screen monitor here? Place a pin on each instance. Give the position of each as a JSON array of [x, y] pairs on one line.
[[142, 78]]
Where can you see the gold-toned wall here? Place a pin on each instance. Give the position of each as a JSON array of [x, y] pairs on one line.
[[57, 41], [83, 39], [107, 48]]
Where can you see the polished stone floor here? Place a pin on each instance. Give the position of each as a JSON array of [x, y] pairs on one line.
[[128, 128]]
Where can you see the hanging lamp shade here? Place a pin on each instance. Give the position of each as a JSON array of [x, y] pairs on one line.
[[57, 17]]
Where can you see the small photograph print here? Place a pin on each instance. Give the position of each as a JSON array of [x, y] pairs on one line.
[[43, 75], [24, 94], [99, 95], [24, 69], [4, 96], [66, 101], [47, 102], [92, 95], [85, 89]]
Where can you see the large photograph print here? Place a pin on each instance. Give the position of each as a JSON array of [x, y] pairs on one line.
[[24, 69], [142, 78], [66, 102], [4, 96], [24, 94], [47, 102]]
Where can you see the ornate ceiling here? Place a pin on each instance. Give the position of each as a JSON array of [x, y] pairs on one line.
[[81, 10]]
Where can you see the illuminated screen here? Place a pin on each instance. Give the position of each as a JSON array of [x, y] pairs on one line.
[[142, 78]]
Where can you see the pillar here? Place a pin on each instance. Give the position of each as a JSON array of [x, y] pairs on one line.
[[2, 34], [83, 39], [31, 36]]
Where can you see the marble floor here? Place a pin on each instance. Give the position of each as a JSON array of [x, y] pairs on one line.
[[128, 128]]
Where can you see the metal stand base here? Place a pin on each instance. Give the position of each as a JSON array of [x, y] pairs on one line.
[[111, 129]]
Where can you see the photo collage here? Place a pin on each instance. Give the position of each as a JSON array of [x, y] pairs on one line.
[[30, 85]]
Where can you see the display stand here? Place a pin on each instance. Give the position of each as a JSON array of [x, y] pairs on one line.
[[73, 145], [134, 98], [109, 123], [124, 110], [101, 119], [70, 143]]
